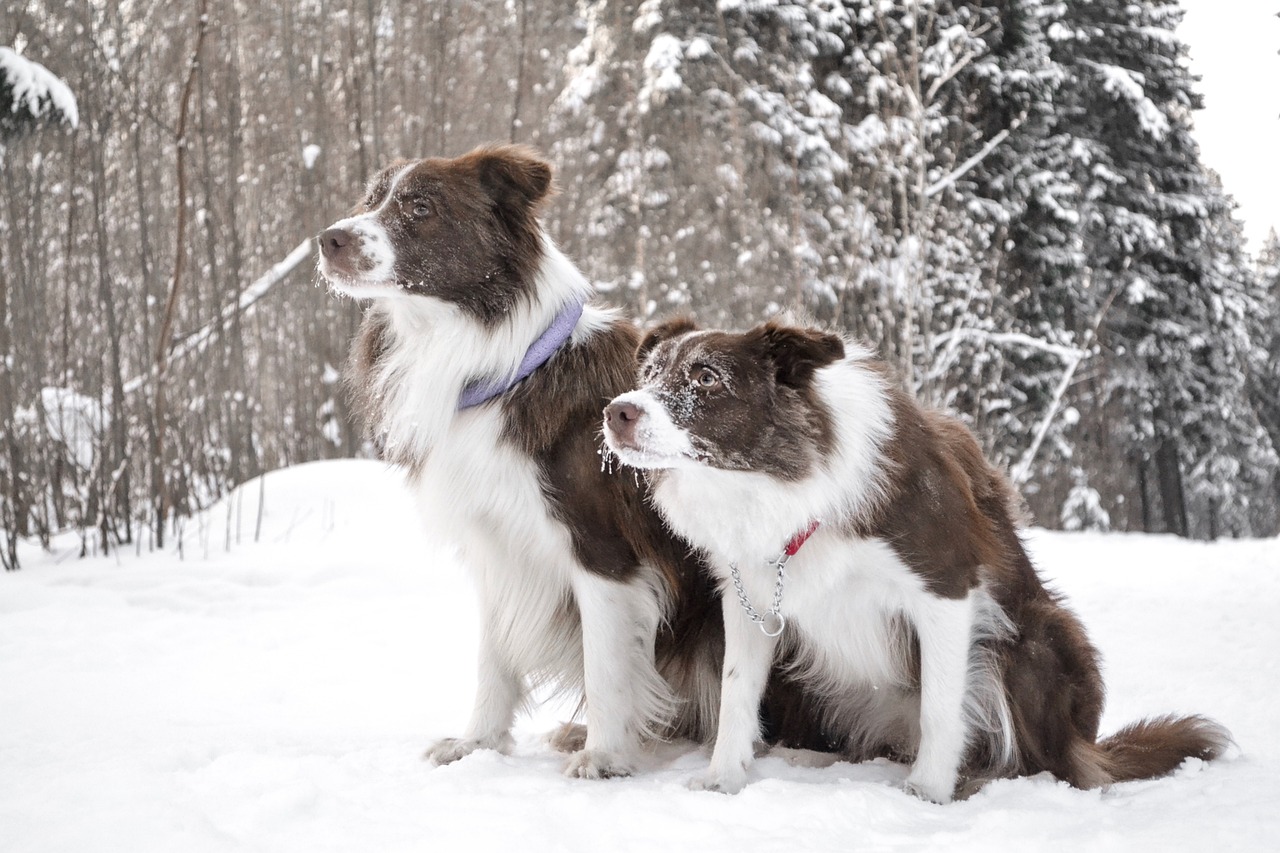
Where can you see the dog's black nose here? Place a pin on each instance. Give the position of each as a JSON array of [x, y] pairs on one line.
[[334, 240], [621, 418]]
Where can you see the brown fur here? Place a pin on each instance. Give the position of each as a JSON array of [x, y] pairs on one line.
[[769, 420], [484, 207]]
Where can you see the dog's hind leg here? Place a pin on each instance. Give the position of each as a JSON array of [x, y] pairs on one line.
[[944, 628], [568, 737]]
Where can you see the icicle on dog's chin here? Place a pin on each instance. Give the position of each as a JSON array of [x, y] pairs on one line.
[[644, 459]]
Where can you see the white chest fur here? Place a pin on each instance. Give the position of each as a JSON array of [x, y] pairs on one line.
[[484, 496], [841, 597]]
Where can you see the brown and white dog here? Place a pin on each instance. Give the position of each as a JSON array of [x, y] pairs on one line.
[[578, 580], [481, 369], [909, 601]]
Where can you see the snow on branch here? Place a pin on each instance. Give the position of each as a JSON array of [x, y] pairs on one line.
[[1130, 87], [1071, 358], [1016, 340], [198, 340], [963, 169], [1022, 471], [32, 94]]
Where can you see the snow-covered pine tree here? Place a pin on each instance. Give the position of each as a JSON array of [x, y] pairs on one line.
[[1266, 330], [1147, 212], [1264, 376], [700, 154], [1228, 454], [913, 77], [1082, 510], [1041, 272], [818, 154], [1005, 339]]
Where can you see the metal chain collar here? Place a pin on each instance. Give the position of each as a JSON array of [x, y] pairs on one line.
[[773, 616], [772, 622]]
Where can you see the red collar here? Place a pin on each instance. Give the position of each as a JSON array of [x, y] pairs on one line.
[[797, 542]]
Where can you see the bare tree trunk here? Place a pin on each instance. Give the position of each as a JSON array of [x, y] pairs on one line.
[[106, 298], [179, 261], [1172, 497], [245, 462], [375, 90], [11, 510], [521, 53]]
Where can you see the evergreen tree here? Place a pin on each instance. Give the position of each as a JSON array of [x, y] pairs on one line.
[[1230, 457], [1147, 213], [703, 152], [1264, 377]]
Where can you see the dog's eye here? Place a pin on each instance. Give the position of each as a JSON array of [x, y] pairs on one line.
[[421, 209], [705, 377]]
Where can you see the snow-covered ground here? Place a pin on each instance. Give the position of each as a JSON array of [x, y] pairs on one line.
[[276, 695]]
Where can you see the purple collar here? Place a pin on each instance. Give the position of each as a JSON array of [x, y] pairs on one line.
[[482, 391]]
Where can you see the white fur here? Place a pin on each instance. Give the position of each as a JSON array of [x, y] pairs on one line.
[[748, 654], [844, 596], [545, 618], [619, 624]]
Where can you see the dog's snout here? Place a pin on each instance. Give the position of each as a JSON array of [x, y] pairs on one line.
[[334, 240], [622, 412], [621, 417]]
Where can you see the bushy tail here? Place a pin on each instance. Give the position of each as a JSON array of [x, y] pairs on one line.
[[1151, 748]]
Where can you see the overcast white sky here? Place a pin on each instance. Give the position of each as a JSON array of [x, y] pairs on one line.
[[1234, 46]]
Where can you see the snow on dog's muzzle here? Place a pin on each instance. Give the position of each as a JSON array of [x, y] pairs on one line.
[[640, 432]]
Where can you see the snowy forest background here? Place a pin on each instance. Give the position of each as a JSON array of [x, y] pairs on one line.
[[1003, 197]]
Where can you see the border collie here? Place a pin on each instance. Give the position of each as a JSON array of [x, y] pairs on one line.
[[870, 537], [481, 369]]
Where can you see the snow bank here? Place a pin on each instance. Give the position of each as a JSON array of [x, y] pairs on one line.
[[273, 687]]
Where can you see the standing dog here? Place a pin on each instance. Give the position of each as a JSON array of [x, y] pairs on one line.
[[481, 369], [909, 600]]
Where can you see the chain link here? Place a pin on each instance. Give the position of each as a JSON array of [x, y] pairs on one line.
[[776, 610]]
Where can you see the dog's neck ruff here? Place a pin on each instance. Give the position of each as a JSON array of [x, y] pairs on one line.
[[560, 330]]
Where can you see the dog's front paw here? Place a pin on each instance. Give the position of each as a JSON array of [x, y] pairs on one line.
[[568, 737], [722, 783], [451, 749], [597, 764], [931, 791]]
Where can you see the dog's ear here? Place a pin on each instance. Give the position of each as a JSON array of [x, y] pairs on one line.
[[664, 331], [513, 175], [797, 352]]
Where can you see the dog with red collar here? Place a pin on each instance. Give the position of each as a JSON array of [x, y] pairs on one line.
[[869, 538]]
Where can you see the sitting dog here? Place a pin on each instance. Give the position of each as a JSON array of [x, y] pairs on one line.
[[481, 368], [868, 536]]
